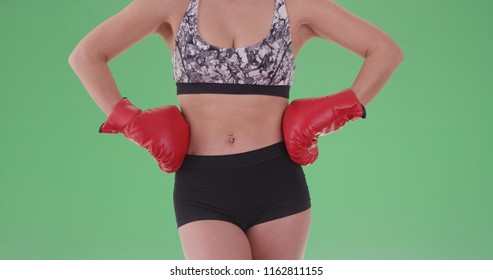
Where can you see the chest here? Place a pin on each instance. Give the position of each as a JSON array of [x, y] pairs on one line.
[[266, 61], [235, 24]]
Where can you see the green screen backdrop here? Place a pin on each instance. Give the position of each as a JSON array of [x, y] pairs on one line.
[[412, 181]]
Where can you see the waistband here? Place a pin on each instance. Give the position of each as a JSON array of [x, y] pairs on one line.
[[275, 90], [236, 160]]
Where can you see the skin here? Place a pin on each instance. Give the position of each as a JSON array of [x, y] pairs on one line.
[[254, 121]]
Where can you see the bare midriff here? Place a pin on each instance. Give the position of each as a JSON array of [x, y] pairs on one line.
[[222, 124]]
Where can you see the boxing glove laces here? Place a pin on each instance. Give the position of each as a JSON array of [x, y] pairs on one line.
[[306, 119], [162, 131]]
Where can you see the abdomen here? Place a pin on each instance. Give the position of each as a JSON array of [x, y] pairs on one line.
[[229, 124]]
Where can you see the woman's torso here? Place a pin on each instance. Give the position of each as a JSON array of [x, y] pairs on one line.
[[233, 123]]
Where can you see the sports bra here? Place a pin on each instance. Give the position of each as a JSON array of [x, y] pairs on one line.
[[265, 68]]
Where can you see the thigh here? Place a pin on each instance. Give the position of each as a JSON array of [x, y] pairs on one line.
[[214, 239], [280, 239]]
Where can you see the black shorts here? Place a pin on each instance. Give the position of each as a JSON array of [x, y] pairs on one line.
[[245, 189]]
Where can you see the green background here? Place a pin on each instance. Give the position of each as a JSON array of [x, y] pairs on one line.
[[412, 181]]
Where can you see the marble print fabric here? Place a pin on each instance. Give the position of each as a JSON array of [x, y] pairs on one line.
[[269, 62]]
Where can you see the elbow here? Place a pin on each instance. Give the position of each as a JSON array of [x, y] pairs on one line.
[[387, 49], [72, 59], [81, 54], [394, 52], [398, 54], [76, 57]]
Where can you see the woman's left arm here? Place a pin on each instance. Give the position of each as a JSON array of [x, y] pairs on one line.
[[329, 21]]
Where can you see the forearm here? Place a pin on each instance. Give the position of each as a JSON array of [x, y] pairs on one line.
[[98, 80], [376, 70]]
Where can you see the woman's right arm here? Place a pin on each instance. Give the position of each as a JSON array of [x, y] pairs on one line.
[[109, 39]]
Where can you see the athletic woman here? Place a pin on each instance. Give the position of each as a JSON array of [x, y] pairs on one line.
[[236, 145]]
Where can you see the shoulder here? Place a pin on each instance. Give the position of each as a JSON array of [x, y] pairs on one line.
[[164, 8], [305, 12], [304, 9], [304, 15]]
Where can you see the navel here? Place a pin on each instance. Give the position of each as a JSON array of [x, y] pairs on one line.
[[231, 138]]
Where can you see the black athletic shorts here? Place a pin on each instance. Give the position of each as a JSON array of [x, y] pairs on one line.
[[245, 189]]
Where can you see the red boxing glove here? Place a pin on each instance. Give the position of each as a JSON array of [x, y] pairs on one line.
[[304, 120], [162, 131]]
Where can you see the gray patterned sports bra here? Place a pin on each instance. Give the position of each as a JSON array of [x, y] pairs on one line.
[[266, 67]]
